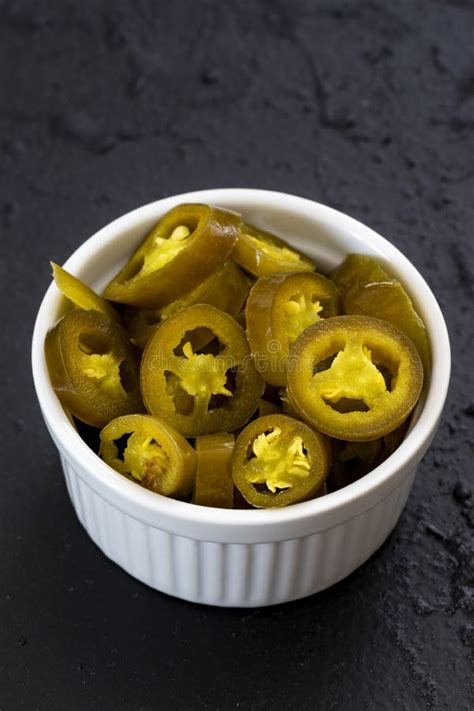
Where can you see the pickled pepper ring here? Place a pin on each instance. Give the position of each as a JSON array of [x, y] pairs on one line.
[[200, 392], [187, 246], [155, 455], [353, 377], [278, 461], [279, 308], [93, 367]]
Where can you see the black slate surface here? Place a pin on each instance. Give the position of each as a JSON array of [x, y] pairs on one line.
[[367, 106]]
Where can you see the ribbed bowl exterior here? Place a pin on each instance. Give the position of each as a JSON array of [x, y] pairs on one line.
[[233, 574]]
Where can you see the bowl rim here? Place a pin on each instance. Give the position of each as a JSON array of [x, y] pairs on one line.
[[159, 510]]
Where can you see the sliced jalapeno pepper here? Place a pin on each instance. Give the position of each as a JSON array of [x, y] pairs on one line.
[[200, 392], [279, 308], [279, 461], [79, 294], [239, 501], [93, 367], [355, 272], [368, 290], [214, 485], [186, 247], [140, 324], [151, 452], [261, 253], [354, 377], [352, 460], [227, 289], [266, 407]]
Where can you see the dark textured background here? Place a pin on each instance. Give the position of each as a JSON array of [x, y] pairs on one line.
[[367, 106]]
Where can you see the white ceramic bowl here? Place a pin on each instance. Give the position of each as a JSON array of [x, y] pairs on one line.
[[242, 558]]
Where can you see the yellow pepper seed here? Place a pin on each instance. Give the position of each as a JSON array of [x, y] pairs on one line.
[[300, 313], [144, 458], [104, 368], [276, 465], [202, 373], [274, 250], [165, 251], [352, 375]]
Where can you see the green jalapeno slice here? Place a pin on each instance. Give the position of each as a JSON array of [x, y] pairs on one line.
[[261, 253], [200, 392], [279, 308], [352, 460], [188, 245], [279, 461], [366, 289], [214, 485], [227, 289], [93, 367], [355, 378], [150, 452], [79, 294]]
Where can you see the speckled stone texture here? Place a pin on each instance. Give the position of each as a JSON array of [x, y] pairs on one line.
[[366, 106]]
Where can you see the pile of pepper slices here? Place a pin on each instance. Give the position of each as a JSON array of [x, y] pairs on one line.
[[229, 373]]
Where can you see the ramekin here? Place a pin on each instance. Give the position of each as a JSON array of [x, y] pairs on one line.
[[242, 558]]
